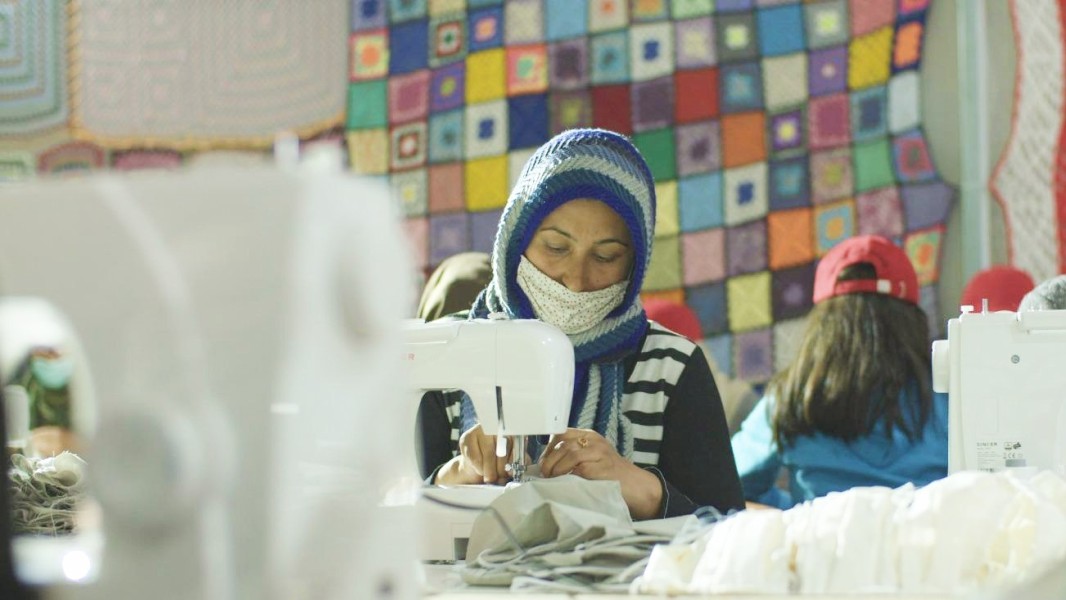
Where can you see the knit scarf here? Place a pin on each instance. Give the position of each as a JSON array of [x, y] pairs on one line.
[[604, 166]]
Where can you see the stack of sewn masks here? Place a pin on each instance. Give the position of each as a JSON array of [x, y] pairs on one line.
[[565, 534], [969, 531]]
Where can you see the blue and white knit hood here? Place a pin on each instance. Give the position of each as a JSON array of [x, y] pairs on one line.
[[605, 166]]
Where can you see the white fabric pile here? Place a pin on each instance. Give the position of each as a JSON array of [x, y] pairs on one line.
[[966, 532], [45, 493], [566, 534]]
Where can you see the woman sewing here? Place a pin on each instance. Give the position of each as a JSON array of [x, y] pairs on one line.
[[572, 248]]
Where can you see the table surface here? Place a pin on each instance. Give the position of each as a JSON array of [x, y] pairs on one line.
[[443, 582]]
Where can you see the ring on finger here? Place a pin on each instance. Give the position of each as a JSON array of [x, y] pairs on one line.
[[583, 442]]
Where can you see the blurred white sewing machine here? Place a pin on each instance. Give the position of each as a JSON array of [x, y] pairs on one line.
[[242, 330], [519, 375], [1005, 375]]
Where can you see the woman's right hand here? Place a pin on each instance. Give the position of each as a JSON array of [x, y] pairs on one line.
[[476, 462]]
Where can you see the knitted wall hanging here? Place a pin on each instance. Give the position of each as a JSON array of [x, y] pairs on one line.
[[774, 129], [200, 74]]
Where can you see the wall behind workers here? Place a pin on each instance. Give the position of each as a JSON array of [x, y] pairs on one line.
[[91, 85]]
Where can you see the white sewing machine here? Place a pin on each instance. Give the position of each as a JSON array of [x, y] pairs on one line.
[[242, 331], [519, 375], [1005, 375]]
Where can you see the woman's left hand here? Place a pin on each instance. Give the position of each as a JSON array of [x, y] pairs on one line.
[[588, 454]]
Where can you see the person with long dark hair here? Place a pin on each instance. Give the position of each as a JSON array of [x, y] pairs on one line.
[[855, 407]]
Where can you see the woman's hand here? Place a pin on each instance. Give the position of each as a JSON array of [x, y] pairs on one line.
[[588, 454], [476, 462]]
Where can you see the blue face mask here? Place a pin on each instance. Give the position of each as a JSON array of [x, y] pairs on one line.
[[52, 373]]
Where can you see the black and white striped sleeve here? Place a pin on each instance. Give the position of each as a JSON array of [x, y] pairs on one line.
[[437, 430], [695, 457]]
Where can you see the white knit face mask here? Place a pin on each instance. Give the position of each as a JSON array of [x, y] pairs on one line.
[[555, 304]]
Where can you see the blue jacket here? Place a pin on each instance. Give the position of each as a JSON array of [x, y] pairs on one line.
[[819, 464]]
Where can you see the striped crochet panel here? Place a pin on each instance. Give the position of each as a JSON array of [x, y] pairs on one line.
[[1029, 181]]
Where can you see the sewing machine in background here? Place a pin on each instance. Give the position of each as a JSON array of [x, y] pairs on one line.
[[519, 375], [1005, 375], [242, 331]]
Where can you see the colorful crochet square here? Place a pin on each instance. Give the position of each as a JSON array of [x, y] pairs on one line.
[[774, 130]]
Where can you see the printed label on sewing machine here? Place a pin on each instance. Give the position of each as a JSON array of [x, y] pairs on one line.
[[997, 455], [989, 457], [1013, 456]]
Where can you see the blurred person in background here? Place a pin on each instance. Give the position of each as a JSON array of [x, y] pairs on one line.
[[1002, 286], [856, 406], [45, 376]]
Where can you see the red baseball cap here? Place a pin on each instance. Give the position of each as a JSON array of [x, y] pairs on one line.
[[1003, 286], [895, 273]]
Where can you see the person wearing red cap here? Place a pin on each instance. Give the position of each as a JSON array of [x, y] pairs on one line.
[[856, 406], [1002, 286]]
